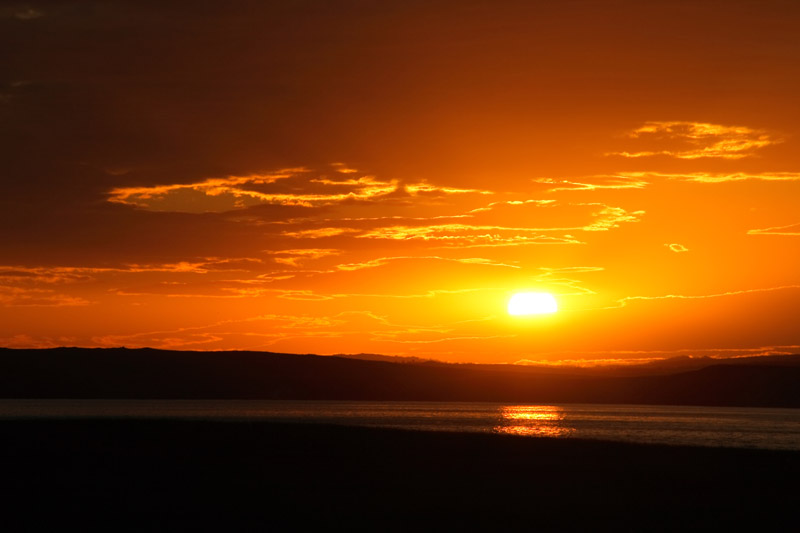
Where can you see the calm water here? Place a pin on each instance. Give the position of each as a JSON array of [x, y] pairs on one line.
[[703, 426]]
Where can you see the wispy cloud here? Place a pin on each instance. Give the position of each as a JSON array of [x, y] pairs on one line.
[[572, 269], [384, 260], [432, 293], [491, 225], [268, 331], [567, 286], [37, 342], [791, 230], [623, 301], [302, 294], [294, 257], [67, 274], [695, 140], [34, 297], [297, 187], [467, 234], [439, 339], [342, 168], [604, 217], [677, 248], [594, 183], [179, 196], [494, 205], [428, 189], [709, 177], [318, 233], [609, 217]]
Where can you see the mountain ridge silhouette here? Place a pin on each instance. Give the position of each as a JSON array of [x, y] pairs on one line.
[[151, 374]]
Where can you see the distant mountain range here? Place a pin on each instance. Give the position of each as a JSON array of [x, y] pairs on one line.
[[659, 366], [770, 381]]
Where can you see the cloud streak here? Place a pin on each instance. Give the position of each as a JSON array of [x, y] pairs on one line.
[[384, 260], [33, 297], [623, 301], [789, 230], [596, 183], [294, 187], [697, 140], [709, 177], [677, 248]]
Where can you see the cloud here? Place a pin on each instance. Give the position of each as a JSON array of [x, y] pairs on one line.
[[640, 180], [343, 168], [33, 297], [288, 187], [302, 294], [791, 229], [549, 215], [491, 225], [271, 330], [37, 342], [695, 140], [59, 286], [708, 177], [66, 274], [677, 248], [222, 290], [467, 235], [424, 188], [439, 339], [602, 218], [294, 257], [554, 277], [432, 293], [594, 183], [213, 194], [384, 260], [608, 217], [495, 205], [21, 275], [575, 269], [623, 301], [318, 233]]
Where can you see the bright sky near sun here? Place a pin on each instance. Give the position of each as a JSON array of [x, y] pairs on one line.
[[344, 177]]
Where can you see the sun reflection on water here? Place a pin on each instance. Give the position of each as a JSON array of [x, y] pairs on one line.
[[532, 421]]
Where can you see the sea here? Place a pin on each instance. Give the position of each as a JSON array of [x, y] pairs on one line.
[[738, 427]]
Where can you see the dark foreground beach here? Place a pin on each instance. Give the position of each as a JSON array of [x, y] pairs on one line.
[[116, 475]]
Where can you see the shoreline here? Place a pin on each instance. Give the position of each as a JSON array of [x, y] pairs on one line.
[[134, 475]]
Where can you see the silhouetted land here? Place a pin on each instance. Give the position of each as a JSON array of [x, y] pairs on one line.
[[145, 373], [133, 475], [179, 475]]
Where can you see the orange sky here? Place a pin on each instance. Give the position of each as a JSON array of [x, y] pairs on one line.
[[381, 177]]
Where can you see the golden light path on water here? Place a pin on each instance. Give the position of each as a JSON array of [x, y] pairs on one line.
[[533, 420], [739, 427]]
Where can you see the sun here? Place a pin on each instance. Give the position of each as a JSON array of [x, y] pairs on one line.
[[532, 303]]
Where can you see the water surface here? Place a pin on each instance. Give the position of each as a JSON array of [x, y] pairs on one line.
[[697, 426]]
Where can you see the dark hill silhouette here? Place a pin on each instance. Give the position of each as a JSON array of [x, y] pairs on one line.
[[148, 373]]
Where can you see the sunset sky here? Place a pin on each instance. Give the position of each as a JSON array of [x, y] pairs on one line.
[[381, 177]]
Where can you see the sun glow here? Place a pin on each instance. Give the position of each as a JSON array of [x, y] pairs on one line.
[[532, 303]]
